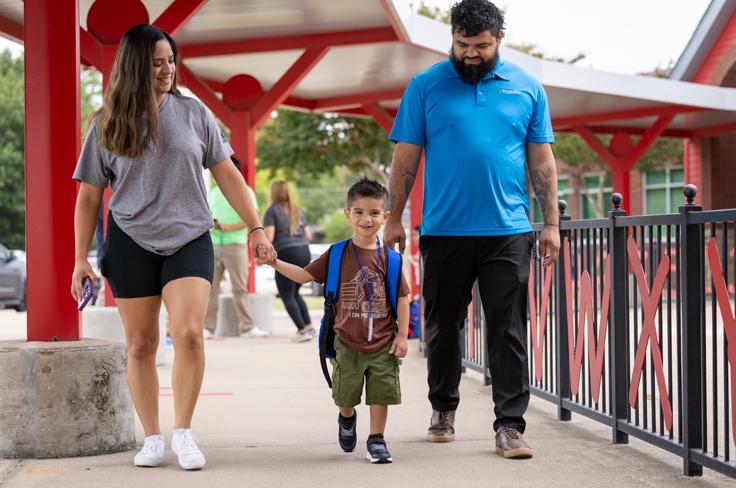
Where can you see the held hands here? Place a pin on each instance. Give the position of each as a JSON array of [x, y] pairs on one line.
[[549, 245], [82, 268], [399, 347], [262, 247], [263, 251], [394, 233]]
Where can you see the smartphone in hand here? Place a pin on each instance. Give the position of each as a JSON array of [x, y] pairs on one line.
[[88, 291]]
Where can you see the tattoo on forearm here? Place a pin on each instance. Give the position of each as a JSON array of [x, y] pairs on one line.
[[408, 180], [542, 179], [396, 200]]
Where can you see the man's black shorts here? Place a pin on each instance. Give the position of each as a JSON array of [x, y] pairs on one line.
[[134, 272]]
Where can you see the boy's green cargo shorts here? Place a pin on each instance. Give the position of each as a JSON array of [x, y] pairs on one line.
[[380, 370]]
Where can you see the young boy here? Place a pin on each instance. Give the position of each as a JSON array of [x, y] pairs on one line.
[[367, 344]]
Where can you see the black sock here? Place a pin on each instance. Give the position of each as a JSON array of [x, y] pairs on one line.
[[346, 420], [375, 436]]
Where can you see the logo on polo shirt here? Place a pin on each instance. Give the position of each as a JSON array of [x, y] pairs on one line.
[[506, 91]]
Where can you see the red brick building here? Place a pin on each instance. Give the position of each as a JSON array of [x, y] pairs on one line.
[[710, 58], [708, 162]]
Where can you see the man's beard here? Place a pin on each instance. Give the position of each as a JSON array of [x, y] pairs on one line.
[[473, 73]]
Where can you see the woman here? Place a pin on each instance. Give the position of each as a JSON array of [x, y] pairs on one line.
[[286, 227], [150, 144]]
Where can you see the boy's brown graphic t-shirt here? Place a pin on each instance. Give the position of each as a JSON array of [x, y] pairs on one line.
[[352, 307]]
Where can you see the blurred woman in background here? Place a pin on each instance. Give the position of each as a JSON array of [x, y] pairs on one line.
[[286, 226]]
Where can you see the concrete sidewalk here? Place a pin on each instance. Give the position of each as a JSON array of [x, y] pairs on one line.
[[266, 418]]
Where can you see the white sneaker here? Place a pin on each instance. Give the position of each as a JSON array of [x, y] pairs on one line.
[[302, 336], [152, 452], [256, 332], [207, 334], [185, 447], [311, 331]]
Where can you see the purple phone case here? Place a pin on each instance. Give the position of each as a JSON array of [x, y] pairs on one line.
[[88, 291]]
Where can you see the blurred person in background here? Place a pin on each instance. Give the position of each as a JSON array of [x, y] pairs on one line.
[[230, 239], [286, 226]]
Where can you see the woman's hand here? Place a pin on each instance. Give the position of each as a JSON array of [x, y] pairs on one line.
[[262, 247], [82, 268]]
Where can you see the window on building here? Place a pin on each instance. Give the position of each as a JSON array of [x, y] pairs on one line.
[[563, 190], [595, 195], [663, 190]]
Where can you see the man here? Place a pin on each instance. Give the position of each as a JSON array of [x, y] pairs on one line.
[[479, 119], [230, 240]]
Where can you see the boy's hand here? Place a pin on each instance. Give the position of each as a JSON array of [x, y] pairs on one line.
[[399, 347], [262, 255], [262, 247]]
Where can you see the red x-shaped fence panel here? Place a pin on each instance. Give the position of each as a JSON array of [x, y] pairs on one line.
[[649, 302], [596, 348], [539, 323], [729, 322]]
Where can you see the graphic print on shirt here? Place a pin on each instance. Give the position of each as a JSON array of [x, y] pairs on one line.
[[354, 295]]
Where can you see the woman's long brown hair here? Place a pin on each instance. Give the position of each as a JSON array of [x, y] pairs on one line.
[[129, 107], [281, 195]]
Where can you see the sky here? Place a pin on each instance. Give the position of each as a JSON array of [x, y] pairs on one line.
[[624, 36]]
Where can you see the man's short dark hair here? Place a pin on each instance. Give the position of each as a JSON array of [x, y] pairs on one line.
[[471, 17], [366, 188]]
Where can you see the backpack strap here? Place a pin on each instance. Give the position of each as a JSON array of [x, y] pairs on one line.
[[334, 263], [332, 289], [393, 277]]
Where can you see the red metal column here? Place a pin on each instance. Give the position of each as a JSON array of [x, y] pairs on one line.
[[108, 57], [693, 165], [622, 154], [386, 121], [107, 22], [415, 217], [243, 141], [51, 116], [271, 100]]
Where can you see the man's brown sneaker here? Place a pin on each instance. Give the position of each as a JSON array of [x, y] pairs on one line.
[[510, 443], [442, 426]]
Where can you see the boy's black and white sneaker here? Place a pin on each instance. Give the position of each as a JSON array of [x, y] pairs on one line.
[[377, 451], [346, 432]]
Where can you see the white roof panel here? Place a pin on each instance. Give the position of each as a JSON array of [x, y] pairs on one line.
[[12, 10], [265, 67], [233, 19], [365, 68], [386, 67]]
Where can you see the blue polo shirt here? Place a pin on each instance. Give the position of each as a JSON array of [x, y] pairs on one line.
[[474, 138]]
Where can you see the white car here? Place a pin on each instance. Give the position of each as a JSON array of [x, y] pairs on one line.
[[12, 279]]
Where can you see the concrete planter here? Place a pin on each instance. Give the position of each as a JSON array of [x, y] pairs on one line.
[[64, 399]]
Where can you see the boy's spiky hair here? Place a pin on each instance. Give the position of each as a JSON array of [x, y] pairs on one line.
[[367, 188], [471, 17]]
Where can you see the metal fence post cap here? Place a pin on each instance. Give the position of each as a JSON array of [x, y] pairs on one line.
[[690, 191], [562, 206], [617, 200]]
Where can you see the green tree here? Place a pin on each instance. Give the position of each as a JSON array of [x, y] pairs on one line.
[[301, 144], [336, 227], [90, 96], [434, 12], [12, 169]]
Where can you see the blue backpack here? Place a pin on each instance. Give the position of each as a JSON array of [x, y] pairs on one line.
[[332, 288]]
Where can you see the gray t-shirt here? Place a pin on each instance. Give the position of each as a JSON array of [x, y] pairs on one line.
[[159, 198], [276, 215]]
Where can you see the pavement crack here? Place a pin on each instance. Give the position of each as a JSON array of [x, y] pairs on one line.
[[11, 472]]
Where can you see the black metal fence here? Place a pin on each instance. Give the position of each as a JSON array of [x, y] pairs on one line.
[[634, 327]]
